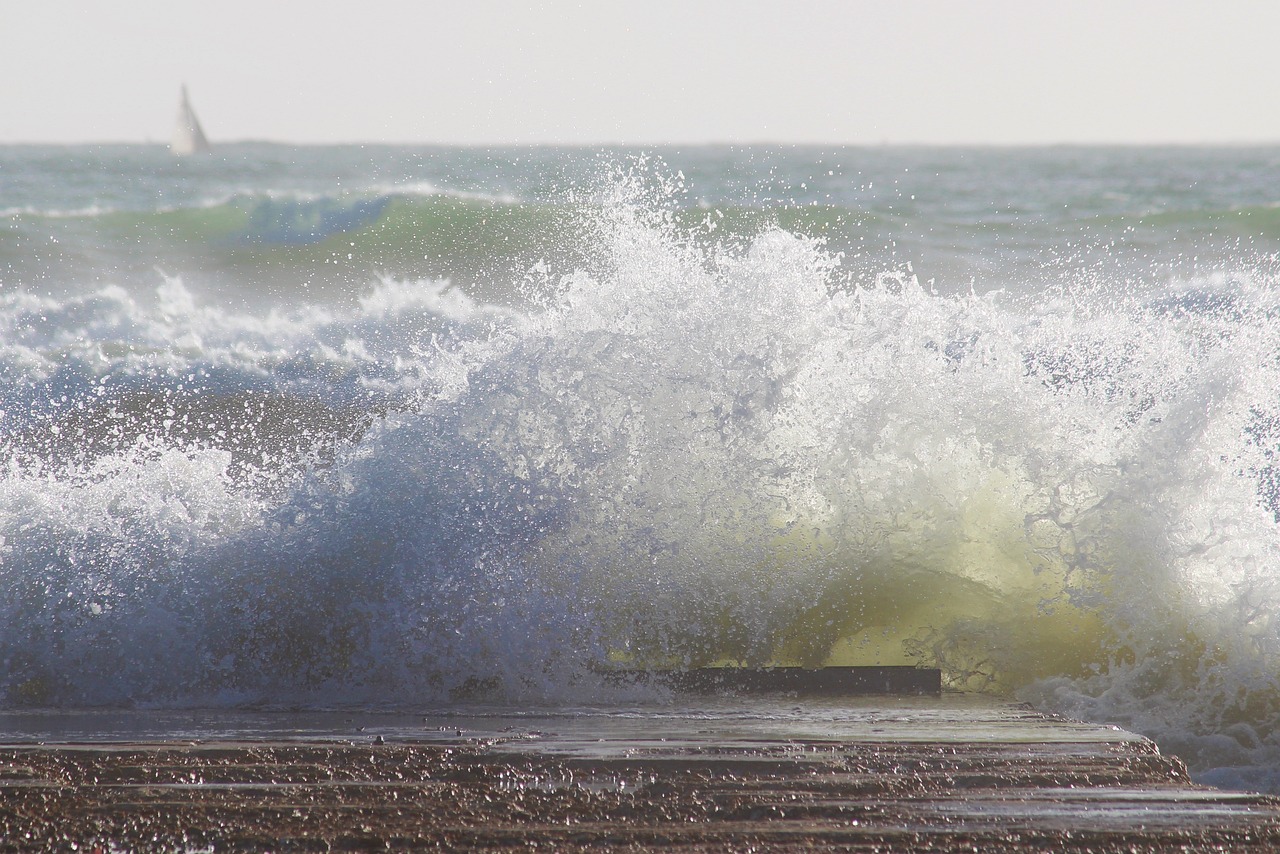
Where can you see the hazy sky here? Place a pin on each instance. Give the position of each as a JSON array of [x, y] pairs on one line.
[[1001, 71]]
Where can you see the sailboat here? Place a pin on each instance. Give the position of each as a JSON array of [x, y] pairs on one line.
[[188, 136]]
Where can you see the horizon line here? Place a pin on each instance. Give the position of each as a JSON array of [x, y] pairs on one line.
[[758, 143]]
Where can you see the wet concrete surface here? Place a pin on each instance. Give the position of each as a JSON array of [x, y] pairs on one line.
[[948, 774]]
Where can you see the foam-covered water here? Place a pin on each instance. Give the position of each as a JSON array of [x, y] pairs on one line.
[[694, 444]]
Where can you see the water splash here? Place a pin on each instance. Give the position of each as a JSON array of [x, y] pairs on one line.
[[687, 453]]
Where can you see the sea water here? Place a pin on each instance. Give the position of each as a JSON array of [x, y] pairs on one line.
[[396, 427]]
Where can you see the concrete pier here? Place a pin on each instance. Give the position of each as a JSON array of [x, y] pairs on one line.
[[912, 774]]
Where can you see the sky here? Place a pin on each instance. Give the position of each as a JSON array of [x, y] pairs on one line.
[[644, 72]]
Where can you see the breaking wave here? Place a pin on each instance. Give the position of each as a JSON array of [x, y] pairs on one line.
[[682, 453]]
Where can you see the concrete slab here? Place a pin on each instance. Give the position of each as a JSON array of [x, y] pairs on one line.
[[917, 774]]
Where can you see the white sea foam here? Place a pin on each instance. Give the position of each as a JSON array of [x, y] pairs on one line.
[[428, 188]]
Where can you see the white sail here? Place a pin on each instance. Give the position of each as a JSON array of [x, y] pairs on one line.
[[188, 136]]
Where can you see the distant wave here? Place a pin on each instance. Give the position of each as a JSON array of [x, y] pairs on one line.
[[248, 197], [286, 241]]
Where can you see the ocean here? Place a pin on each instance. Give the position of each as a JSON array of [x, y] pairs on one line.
[[390, 427]]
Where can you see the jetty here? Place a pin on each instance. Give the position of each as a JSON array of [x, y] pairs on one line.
[[920, 773]]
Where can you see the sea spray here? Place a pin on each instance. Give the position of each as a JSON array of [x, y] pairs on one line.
[[685, 452]]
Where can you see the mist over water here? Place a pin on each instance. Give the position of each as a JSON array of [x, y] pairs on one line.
[[700, 430]]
